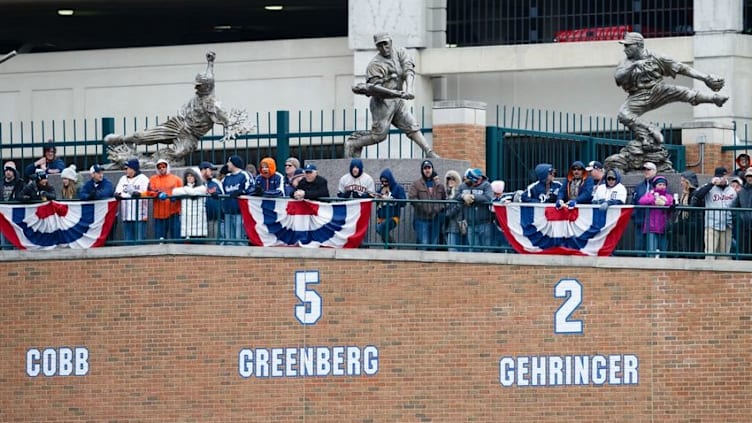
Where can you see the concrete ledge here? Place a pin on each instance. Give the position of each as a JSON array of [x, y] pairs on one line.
[[380, 255]]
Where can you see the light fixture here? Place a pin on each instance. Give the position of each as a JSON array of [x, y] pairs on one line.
[[222, 27], [65, 12], [274, 7]]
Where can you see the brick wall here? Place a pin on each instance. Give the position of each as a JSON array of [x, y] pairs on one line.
[[164, 334], [462, 142], [713, 157]]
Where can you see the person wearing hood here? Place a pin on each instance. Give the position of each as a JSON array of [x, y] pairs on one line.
[[97, 187], [579, 189], [612, 192], [452, 236], [546, 189], [654, 226], [686, 227], [356, 183], [742, 164], [193, 222], [166, 212], [640, 214], [388, 212], [428, 214], [134, 211], [471, 203], [269, 182], [744, 218]]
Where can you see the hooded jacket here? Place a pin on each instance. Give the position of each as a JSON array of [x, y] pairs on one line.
[[538, 192], [478, 212], [616, 195], [360, 186], [744, 200], [388, 209], [271, 184], [740, 169]]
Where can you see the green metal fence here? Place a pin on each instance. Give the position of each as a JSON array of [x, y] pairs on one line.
[[522, 138]]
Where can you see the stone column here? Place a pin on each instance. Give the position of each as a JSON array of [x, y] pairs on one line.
[[703, 141], [459, 131], [719, 48]]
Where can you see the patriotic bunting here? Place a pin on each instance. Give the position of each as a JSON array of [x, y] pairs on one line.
[[75, 224], [584, 230], [304, 223]]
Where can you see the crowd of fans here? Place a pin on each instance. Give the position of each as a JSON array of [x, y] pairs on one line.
[[454, 212]]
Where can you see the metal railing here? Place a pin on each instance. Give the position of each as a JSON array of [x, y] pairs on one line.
[[304, 134], [493, 22], [684, 236]]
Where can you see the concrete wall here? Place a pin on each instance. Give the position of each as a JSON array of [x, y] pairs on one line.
[[264, 76], [160, 333]]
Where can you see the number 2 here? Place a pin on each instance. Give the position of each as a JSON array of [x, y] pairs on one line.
[[309, 310], [571, 289]]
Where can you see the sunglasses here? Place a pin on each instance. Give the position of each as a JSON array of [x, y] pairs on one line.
[[384, 181], [610, 178], [288, 165], [578, 168]]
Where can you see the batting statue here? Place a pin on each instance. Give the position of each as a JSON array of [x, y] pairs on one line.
[[389, 82], [181, 133]]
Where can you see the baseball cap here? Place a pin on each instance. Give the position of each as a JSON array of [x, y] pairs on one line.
[[310, 167], [381, 37], [632, 38], [594, 165], [649, 165], [207, 165], [96, 169], [748, 172], [133, 164], [720, 171]]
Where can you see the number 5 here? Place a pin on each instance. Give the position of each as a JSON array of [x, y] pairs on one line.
[[571, 289], [308, 311]]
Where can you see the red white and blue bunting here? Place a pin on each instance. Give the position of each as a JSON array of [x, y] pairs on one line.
[[76, 224], [542, 229], [303, 223]]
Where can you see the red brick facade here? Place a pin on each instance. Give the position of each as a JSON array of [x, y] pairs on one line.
[[163, 335], [462, 142]]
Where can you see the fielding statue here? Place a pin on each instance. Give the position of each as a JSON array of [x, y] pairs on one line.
[[389, 82], [641, 76], [181, 133]]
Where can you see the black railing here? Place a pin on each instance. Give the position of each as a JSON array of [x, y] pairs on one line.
[[494, 22]]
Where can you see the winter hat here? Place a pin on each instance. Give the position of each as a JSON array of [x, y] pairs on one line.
[[658, 179], [426, 163], [40, 174], [10, 165], [270, 163], [497, 187], [691, 177], [133, 164], [473, 174], [237, 162], [70, 173]]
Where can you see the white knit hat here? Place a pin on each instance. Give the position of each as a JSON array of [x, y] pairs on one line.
[[70, 173]]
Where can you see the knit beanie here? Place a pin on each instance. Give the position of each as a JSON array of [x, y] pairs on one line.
[[70, 173], [237, 161]]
